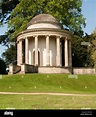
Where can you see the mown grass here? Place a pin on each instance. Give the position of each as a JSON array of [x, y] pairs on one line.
[[60, 83], [48, 83], [47, 102]]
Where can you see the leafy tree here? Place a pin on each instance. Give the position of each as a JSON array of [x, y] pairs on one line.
[[4, 40], [68, 12], [81, 55], [10, 55], [2, 67], [6, 7], [94, 32], [92, 47]]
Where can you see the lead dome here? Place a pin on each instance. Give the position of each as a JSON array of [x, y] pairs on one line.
[[43, 21]]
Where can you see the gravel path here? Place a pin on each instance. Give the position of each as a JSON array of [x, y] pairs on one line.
[[61, 94]]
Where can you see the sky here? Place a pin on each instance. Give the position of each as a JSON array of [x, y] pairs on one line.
[[88, 12]]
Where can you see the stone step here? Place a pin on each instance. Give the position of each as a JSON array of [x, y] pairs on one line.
[[16, 69]]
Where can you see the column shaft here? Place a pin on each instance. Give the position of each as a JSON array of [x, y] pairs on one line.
[[58, 51], [18, 63], [47, 52], [20, 52], [36, 51], [70, 55], [26, 51], [66, 53]]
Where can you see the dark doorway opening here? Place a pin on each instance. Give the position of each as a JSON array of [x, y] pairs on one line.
[[23, 51]]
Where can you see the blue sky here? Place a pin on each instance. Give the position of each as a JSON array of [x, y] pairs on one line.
[[88, 11]]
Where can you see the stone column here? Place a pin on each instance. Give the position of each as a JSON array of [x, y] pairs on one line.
[[70, 55], [10, 69], [18, 61], [58, 51], [47, 51], [26, 51], [20, 52], [66, 52], [36, 50], [23, 69]]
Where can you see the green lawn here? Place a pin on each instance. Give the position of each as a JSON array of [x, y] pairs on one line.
[[47, 102], [48, 83], [60, 83]]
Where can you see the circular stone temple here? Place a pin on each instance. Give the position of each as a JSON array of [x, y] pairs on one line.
[[44, 47]]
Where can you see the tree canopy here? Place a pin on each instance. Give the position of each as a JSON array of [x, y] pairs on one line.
[[10, 55], [6, 7], [2, 67], [68, 12], [92, 47], [81, 54], [19, 12]]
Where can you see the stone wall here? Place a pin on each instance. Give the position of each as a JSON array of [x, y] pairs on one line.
[[53, 70], [84, 71], [25, 68], [14, 69]]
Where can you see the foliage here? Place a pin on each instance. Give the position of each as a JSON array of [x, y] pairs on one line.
[[4, 40], [10, 55], [2, 67], [81, 55], [92, 47], [94, 32], [6, 6], [68, 12]]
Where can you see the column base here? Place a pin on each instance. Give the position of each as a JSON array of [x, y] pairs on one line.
[[58, 65], [47, 64], [36, 65]]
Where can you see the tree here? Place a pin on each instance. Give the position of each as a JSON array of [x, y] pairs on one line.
[[92, 47], [81, 55], [94, 32], [2, 67], [10, 55], [6, 7], [68, 12]]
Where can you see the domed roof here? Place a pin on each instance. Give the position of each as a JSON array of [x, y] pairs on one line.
[[42, 18]]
